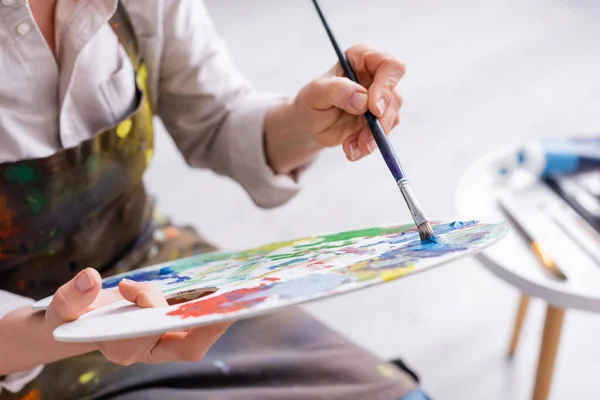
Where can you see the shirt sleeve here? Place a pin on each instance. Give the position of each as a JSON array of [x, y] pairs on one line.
[[15, 382], [212, 112]]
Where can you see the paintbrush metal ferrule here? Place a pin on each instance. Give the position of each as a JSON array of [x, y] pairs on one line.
[[547, 261], [414, 207]]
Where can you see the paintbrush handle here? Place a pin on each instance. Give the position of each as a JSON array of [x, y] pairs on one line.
[[387, 151], [385, 147]]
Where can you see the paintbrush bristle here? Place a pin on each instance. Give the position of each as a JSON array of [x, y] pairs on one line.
[[426, 233]]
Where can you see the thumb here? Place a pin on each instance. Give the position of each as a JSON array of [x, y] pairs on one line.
[[327, 92], [73, 298]]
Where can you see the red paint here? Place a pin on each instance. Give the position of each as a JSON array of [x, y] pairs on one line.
[[351, 250], [271, 279], [224, 303]]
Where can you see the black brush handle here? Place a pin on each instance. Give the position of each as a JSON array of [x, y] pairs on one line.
[[387, 151]]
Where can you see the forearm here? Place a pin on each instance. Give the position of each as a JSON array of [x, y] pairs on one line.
[[26, 341], [287, 146]]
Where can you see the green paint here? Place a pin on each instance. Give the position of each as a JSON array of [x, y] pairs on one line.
[[185, 264], [370, 232], [21, 174], [244, 270], [277, 257], [317, 246], [36, 200], [192, 282], [346, 239], [92, 163]]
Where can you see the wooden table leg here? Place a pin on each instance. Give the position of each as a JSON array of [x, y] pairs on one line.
[[550, 340], [521, 313]]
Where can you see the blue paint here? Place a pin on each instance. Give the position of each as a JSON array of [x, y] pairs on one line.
[[163, 274], [303, 287], [166, 271], [373, 244], [290, 262], [435, 249], [442, 229], [429, 240], [406, 238]]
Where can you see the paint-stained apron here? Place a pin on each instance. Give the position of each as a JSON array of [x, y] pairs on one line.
[[86, 207]]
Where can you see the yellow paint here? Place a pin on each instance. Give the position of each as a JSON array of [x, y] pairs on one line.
[[87, 377], [142, 77], [363, 275], [149, 155], [387, 370], [274, 246], [124, 128], [394, 274]]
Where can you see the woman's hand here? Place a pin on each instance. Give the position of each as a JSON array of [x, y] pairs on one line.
[[83, 293], [329, 111]]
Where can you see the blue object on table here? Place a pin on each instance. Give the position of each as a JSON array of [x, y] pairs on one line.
[[416, 395]]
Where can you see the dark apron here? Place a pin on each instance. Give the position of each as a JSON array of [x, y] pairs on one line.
[[86, 207]]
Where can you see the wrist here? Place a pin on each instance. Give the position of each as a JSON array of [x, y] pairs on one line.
[[27, 341], [288, 144]]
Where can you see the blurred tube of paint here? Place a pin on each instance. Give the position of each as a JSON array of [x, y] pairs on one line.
[[553, 156]]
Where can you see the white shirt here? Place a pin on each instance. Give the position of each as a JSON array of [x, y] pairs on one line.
[[210, 110]]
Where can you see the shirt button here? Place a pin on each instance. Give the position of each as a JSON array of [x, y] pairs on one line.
[[23, 28], [8, 2]]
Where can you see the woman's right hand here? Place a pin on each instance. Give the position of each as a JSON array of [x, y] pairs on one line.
[[84, 293]]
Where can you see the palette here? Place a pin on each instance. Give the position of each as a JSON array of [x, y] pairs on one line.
[[247, 283]]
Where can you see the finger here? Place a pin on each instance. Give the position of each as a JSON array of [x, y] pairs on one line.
[[391, 118], [350, 146], [142, 294], [388, 121], [105, 297], [385, 70], [73, 298], [327, 92], [187, 346]]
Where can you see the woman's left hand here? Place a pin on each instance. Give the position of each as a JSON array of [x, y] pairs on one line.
[[329, 111]]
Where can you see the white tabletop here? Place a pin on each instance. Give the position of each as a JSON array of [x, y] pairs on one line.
[[511, 259]]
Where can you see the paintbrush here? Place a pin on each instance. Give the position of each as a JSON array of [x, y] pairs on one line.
[[577, 228], [385, 147], [540, 253]]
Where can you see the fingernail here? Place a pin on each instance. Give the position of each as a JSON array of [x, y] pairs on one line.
[[358, 100], [381, 105], [83, 282], [354, 152], [371, 145]]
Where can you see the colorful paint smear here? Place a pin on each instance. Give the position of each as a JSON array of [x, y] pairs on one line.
[[284, 273]]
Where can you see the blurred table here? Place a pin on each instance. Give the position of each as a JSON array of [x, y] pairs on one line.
[[512, 261]]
